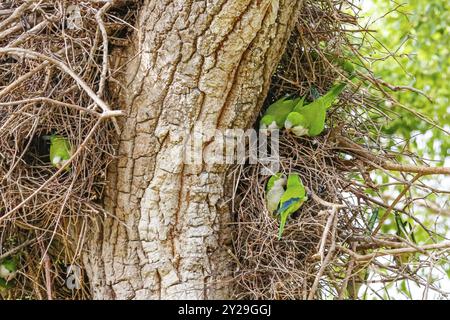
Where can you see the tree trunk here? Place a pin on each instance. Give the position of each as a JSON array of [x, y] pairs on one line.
[[192, 61]]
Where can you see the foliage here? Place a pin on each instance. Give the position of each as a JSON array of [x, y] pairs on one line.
[[412, 49]]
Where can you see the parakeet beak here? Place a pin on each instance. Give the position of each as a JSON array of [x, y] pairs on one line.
[[45, 138]]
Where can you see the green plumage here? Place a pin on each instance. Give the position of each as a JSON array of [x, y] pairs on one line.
[[292, 200], [372, 220], [277, 112], [60, 151], [405, 231], [8, 268], [314, 113]]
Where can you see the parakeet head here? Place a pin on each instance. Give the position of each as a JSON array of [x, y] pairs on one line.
[[281, 176], [296, 123], [277, 179], [294, 180], [60, 151], [8, 268], [268, 123], [294, 119], [55, 137]]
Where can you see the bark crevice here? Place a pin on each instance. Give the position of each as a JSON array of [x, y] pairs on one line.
[[197, 62]]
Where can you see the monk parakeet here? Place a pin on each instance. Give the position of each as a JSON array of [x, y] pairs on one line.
[[276, 114], [291, 200], [274, 191], [60, 151], [296, 123], [310, 119], [8, 269], [404, 230]]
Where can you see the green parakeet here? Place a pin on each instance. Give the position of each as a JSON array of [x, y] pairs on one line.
[[312, 120], [60, 151], [404, 230], [296, 123], [276, 114], [292, 200], [274, 191], [8, 269]]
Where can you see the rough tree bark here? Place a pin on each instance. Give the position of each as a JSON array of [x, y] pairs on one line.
[[208, 61]]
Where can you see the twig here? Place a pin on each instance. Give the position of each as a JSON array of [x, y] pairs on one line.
[[389, 252], [16, 14], [41, 25], [399, 88], [51, 101], [325, 235], [399, 197], [101, 25], [47, 270], [368, 157], [325, 262], [14, 250], [323, 202], [60, 170], [65, 68]]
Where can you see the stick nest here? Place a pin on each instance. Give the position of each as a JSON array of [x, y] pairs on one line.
[[40, 206], [318, 255], [57, 76]]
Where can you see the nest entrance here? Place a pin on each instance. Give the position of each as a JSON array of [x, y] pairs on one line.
[[38, 152]]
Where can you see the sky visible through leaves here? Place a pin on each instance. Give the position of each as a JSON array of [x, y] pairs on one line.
[[411, 47]]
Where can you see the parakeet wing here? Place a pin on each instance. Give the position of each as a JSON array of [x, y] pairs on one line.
[[299, 104], [301, 190], [411, 233], [287, 208], [290, 202], [280, 109], [315, 112], [401, 232]]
